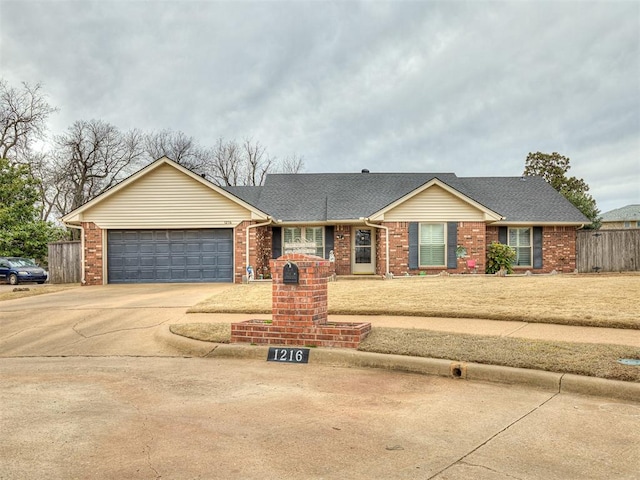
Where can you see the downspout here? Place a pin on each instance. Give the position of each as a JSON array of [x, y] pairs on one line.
[[386, 235], [81, 228], [268, 222]]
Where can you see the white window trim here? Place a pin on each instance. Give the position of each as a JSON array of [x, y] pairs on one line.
[[444, 228], [304, 245], [515, 264]]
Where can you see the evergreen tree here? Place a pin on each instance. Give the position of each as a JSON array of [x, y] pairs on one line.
[[22, 233], [553, 168]]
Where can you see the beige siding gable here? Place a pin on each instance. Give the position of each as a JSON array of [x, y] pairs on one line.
[[166, 198], [434, 204]]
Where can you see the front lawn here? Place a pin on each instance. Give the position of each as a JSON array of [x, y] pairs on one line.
[[588, 300]]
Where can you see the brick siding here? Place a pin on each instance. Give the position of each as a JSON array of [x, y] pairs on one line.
[[342, 249], [398, 247], [93, 254], [558, 249], [471, 236]]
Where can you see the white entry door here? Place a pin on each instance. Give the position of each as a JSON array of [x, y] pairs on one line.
[[363, 252]]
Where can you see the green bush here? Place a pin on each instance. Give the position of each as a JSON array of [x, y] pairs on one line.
[[500, 256]]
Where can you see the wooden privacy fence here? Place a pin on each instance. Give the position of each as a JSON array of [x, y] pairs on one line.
[[608, 251], [64, 262]]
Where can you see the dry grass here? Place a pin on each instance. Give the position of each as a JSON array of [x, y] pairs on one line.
[[207, 332], [562, 357], [588, 300], [39, 290]]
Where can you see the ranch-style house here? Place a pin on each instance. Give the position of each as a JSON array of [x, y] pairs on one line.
[[166, 223]]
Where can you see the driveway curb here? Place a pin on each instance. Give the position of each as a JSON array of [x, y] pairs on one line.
[[554, 382]]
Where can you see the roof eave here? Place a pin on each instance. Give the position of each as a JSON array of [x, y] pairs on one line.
[[538, 223], [285, 223]]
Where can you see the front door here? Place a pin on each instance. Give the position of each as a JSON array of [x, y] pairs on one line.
[[363, 258]]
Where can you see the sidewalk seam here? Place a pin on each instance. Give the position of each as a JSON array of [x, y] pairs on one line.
[[495, 435]]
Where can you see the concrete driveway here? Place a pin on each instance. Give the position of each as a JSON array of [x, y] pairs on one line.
[[194, 418], [104, 320], [88, 391]]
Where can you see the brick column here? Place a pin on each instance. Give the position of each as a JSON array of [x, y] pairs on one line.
[[93, 274], [342, 249], [300, 310], [304, 303]]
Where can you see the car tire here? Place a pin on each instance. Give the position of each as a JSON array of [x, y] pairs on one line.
[[13, 279], [40, 283]]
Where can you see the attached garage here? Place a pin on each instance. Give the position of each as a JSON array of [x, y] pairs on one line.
[[164, 224], [170, 256]]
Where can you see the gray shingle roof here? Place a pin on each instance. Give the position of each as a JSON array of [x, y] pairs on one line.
[[624, 214], [332, 196], [319, 197], [521, 199]]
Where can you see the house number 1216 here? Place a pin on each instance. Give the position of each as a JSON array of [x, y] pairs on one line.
[[289, 355]]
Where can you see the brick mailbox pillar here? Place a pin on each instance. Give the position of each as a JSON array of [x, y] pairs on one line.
[[299, 308], [303, 303]]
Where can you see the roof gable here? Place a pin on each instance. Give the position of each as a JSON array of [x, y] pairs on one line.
[[435, 200], [185, 177]]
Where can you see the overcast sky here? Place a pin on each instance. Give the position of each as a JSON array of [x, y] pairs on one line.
[[424, 86]]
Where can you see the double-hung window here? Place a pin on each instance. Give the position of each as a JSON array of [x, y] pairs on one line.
[[520, 241], [432, 252], [308, 240]]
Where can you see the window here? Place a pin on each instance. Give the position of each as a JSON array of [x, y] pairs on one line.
[[432, 245], [627, 224], [520, 241], [307, 240]]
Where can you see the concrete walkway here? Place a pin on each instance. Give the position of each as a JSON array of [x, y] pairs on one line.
[[539, 331]]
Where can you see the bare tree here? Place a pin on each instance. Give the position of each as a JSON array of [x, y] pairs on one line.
[[177, 146], [91, 157], [230, 163], [223, 164], [23, 117], [255, 162], [291, 164], [38, 164]]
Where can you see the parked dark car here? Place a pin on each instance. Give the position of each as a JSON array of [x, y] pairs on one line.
[[15, 270]]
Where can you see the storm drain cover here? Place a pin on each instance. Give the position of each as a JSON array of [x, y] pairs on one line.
[[629, 361]]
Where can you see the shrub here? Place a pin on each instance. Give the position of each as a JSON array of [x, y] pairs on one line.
[[500, 256]]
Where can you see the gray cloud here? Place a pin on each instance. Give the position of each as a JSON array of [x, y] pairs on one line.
[[469, 88]]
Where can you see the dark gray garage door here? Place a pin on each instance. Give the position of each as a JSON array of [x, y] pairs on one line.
[[157, 256]]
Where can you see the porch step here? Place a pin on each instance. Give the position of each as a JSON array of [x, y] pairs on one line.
[[358, 277]]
